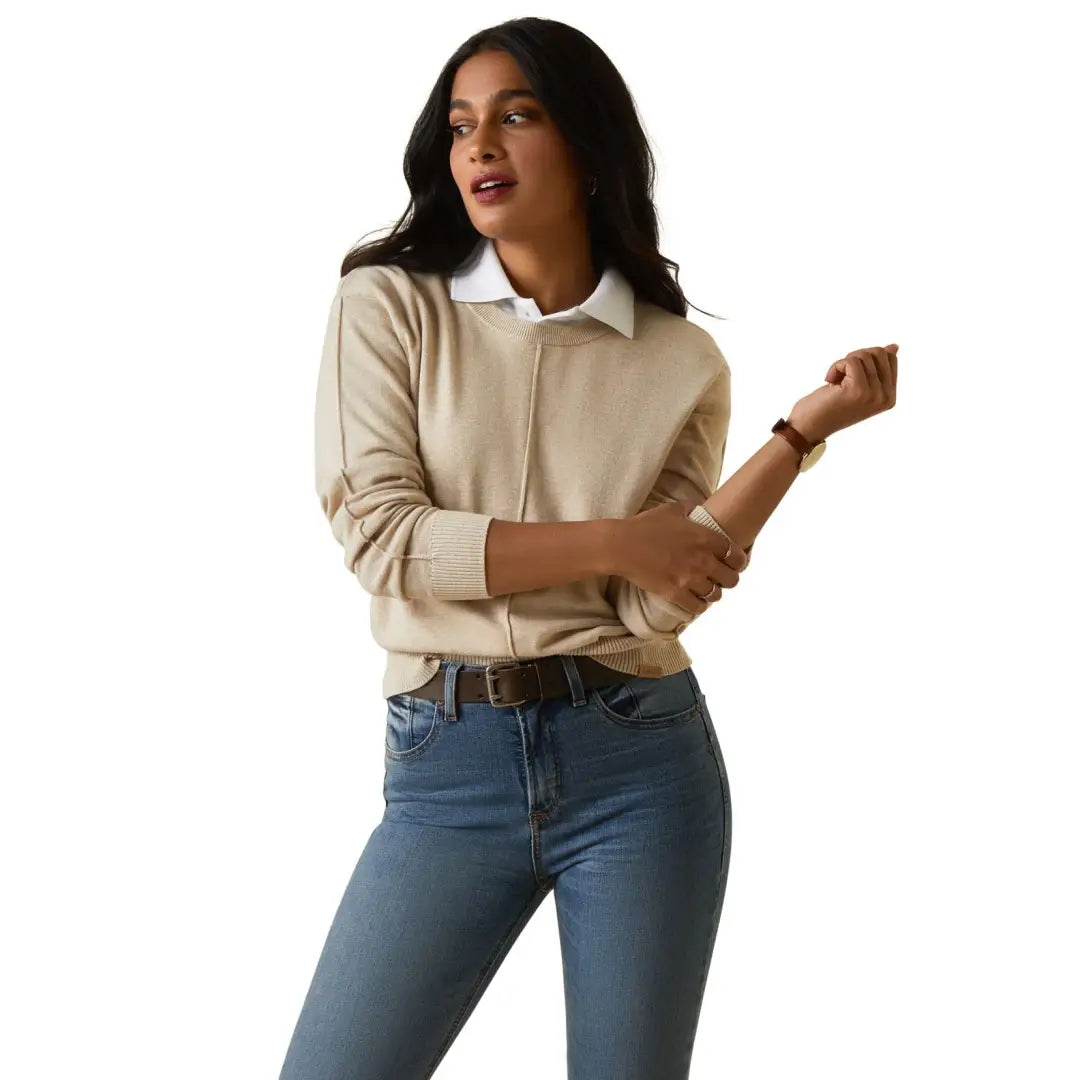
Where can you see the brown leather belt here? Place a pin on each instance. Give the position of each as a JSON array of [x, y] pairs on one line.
[[516, 682]]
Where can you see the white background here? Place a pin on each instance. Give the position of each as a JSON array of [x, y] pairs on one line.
[[192, 715]]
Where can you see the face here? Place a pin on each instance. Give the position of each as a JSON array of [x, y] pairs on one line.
[[514, 135]]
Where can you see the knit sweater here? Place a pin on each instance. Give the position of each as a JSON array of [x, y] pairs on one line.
[[435, 416], [481, 278]]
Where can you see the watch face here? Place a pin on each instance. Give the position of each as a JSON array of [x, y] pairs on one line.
[[812, 457]]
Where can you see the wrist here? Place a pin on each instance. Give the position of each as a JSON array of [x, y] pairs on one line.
[[809, 429], [603, 545]]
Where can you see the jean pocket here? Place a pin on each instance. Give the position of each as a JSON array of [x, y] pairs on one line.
[[640, 702], [413, 724]]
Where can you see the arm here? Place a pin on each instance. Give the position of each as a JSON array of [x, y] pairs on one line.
[[744, 503], [747, 499], [524, 555], [691, 471], [850, 395], [370, 483], [368, 475]]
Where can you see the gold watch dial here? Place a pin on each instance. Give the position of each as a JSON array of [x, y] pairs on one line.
[[811, 458]]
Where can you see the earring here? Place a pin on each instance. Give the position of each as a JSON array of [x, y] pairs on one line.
[[592, 190]]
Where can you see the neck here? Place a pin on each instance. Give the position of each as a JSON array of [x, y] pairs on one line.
[[556, 274]]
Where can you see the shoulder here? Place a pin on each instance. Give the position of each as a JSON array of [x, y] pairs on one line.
[[376, 282], [663, 328], [385, 295], [404, 296], [707, 343]]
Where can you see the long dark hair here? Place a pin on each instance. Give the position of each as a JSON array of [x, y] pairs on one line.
[[594, 110]]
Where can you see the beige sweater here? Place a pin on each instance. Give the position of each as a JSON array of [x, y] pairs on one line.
[[432, 417]]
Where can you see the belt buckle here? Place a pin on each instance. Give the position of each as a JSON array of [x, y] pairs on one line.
[[491, 672]]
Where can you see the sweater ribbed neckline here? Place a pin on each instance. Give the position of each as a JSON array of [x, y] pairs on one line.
[[539, 333]]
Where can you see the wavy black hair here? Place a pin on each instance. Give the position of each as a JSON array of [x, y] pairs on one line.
[[594, 110]]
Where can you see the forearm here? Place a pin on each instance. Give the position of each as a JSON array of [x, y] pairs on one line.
[[747, 499], [533, 555], [521, 556]]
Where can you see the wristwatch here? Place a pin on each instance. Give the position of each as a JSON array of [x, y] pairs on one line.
[[808, 452]]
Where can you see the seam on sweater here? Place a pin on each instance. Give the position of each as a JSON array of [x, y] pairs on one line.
[[337, 389], [360, 525], [385, 551], [341, 437], [538, 349], [342, 476], [341, 441]]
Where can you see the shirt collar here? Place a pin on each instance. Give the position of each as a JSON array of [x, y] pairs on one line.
[[480, 278]]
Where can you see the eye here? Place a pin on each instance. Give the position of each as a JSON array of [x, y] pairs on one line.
[[513, 112]]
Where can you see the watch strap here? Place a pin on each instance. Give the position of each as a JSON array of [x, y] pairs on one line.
[[786, 431]]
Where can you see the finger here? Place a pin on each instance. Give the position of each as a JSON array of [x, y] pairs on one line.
[[885, 371], [691, 599], [723, 574], [881, 371], [873, 379], [727, 552], [853, 370], [892, 369]]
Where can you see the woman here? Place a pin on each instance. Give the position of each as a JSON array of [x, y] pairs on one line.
[[518, 440]]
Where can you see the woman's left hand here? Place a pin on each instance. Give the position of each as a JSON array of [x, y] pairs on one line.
[[861, 385]]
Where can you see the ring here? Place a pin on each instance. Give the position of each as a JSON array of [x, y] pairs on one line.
[[708, 596]]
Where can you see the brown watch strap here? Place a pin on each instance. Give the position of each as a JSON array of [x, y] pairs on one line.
[[784, 429]]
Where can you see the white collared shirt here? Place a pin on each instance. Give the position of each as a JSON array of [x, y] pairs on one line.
[[481, 278]]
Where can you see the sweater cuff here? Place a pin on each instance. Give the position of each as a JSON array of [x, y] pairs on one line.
[[703, 517], [458, 547]]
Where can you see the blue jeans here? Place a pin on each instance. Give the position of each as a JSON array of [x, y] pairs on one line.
[[614, 798]]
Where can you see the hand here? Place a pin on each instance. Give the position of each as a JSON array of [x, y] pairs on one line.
[[661, 551], [857, 387]]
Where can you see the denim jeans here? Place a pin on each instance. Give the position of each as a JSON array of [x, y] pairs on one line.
[[614, 798]]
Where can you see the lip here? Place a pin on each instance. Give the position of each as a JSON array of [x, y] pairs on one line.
[[495, 194], [482, 178]]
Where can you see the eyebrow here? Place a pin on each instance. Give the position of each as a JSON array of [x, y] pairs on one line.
[[496, 98]]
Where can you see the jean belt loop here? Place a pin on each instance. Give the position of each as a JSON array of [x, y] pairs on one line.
[[450, 688], [573, 677]]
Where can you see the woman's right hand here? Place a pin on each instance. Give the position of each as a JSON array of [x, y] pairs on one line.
[[662, 551]]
